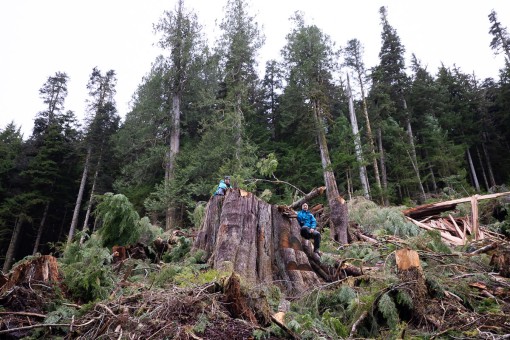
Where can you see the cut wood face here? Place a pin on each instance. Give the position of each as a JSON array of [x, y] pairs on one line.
[[406, 259]]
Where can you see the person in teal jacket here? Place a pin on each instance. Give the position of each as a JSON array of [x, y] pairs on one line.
[[308, 226], [223, 186]]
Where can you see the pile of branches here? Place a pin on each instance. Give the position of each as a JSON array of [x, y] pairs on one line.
[[203, 312]]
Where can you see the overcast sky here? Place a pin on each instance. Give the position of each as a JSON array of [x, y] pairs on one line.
[[41, 37]]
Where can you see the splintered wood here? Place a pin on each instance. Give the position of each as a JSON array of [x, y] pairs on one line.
[[454, 231]]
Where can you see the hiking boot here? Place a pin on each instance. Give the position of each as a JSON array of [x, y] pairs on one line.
[[318, 252]]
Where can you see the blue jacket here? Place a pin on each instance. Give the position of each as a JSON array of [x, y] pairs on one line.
[[306, 219], [222, 188]]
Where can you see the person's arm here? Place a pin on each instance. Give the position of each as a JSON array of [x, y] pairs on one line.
[[300, 218], [313, 222]]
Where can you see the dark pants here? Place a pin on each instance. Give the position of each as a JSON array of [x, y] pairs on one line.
[[309, 233]]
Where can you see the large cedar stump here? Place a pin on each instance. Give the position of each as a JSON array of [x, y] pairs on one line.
[[246, 235]]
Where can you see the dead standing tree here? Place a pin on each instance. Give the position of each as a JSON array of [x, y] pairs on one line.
[[246, 235]]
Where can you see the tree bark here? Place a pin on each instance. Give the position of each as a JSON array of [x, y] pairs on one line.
[[357, 143], [172, 155], [489, 165], [473, 171], [9, 255], [89, 206], [484, 175], [243, 234], [41, 228], [308, 197], [77, 206], [414, 159], [382, 159], [338, 216]]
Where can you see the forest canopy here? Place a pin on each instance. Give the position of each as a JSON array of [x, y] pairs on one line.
[[410, 135]]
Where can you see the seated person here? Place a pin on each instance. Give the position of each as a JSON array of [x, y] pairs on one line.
[[309, 227]]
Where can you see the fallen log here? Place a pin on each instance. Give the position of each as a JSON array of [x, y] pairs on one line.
[[485, 249], [436, 208], [308, 197]]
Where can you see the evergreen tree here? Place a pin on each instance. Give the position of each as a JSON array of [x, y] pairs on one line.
[[181, 37], [353, 54], [102, 123], [501, 40], [390, 85], [310, 58], [238, 46]]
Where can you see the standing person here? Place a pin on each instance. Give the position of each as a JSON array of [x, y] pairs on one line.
[[309, 227], [223, 186]]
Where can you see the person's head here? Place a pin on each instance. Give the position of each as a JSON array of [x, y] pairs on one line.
[[227, 179], [304, 206]]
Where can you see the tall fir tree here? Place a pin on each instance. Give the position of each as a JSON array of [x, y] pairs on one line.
[[311, 59]]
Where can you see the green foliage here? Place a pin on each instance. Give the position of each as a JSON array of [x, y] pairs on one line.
[[335, 325], [178, 252], [404, 299], [488, 305], [362, 252], [274, 296], [381, 220], [166, 275], [388, 310], [430, 240], [201, 324], [63, 314], [434, 287], [120, 221], [267, 166], [87, 274], [198, 214]]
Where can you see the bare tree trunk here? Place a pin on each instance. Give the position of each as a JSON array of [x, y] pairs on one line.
[[484, 175], [77, 206], [489, 166], [383, 167], [41, 228], [349, 182], [338, 217], [91, 199], [357, 143], [473, 171], [171, 156], [370, 136], [414, 159], [433, 178], [9, 255], [61, 229]]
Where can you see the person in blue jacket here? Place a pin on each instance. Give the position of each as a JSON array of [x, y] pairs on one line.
[[309, 227], [223, 186]]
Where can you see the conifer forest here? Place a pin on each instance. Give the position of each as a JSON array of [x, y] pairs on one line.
[[109, 227]]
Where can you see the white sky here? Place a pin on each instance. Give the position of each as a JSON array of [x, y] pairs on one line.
[[41, 37]]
